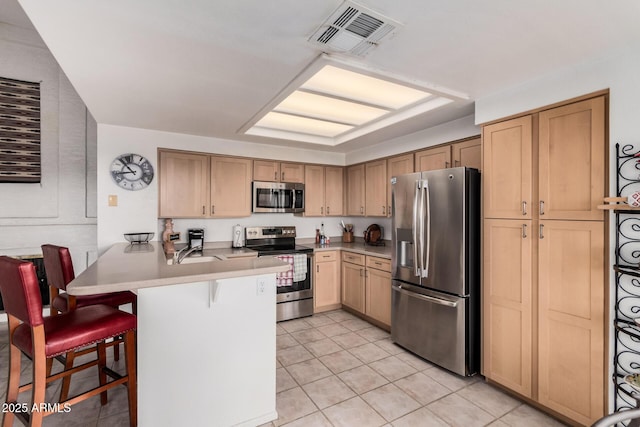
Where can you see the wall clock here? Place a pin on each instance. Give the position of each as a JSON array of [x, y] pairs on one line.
[[131, 171]]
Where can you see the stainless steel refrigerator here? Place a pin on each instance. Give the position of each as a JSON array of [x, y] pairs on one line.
[[435, 311]]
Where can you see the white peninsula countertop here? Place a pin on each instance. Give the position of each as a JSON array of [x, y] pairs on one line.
[[206, 332], [126, 267]]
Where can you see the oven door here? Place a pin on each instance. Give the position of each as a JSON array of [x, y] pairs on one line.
[[301, 289]]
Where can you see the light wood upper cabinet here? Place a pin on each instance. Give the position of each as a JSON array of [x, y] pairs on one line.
[[334, 190], [467, 153], [571, 318], [572, 153], [324, 195], [292, 172], [507, 303], [267, 170], [314, 188], [355, 190], [202, 186], [183, 185], [230, 187], [396, 166], [507, 181], [376, 188], [326, 281], [433, 158]]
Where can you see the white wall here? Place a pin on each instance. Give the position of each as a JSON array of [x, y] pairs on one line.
[[62, 208]]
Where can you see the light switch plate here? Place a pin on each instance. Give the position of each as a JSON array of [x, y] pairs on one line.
[[113, 200]]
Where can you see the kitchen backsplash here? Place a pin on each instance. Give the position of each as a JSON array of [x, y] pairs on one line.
[[221, 229]]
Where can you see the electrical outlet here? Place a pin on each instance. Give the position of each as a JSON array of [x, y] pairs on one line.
[[262, 285]]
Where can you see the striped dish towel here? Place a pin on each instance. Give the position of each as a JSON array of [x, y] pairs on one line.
[[299, 267], [285, 278]]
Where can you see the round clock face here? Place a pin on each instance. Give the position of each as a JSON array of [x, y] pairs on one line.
[[131, 171]]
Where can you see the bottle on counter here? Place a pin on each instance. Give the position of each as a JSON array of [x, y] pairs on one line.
[[317, 236]]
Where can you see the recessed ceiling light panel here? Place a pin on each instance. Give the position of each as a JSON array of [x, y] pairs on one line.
[[332, 101]]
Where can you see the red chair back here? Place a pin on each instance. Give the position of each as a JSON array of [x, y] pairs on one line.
[[20, 290], [58, 265]]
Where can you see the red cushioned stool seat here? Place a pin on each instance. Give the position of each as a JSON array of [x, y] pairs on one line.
[[42, 338], [76, 329]]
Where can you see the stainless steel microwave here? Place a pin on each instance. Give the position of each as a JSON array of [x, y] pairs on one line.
[[278, 197]]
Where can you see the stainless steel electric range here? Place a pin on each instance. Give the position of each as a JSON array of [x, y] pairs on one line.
[[295, 288]]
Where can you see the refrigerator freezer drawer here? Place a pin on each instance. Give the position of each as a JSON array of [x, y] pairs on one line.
[[434, 326]]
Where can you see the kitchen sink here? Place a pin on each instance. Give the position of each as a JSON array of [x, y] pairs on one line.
[[194, 260]]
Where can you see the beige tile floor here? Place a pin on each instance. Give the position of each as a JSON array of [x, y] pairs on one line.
[[333, 369]]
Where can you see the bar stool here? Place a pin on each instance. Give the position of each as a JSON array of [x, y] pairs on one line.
[[42, 338], [59, 270]]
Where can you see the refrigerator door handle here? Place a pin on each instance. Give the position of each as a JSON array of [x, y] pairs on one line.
[[414, 228], [427, 218], [425, 297]]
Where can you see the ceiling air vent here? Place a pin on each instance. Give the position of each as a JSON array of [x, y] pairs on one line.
[[354, 29]]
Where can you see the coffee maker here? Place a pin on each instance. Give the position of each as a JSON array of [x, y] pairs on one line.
[[195, 237]]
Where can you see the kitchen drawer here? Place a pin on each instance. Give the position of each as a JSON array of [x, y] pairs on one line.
[[353, 258], [379, 263], [326, 256]]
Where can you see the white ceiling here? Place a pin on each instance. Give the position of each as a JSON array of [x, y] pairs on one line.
[[206, 67]]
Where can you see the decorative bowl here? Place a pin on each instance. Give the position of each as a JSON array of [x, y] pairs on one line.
[[138, 237]]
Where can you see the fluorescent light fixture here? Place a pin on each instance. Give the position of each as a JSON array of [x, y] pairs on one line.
[[332, 102]]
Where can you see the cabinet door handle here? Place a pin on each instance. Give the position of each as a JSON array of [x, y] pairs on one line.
[[456, 162], [541, 207], [213, 209], [388, 210], [542, 231], [282, 176], [317, 269], [328, 207], [524, 207], [383, 210], [361, 209], [524, 231], [446, 165], [203, 210], [275, 175], [321, 210]]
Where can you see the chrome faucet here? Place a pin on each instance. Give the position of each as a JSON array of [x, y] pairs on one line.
[[185, 252]]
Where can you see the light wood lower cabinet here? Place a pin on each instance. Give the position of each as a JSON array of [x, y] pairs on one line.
[[378, 289], [366, 286], [563, 340], [571, 298], [326, 295], [353, 281], [507, 303]]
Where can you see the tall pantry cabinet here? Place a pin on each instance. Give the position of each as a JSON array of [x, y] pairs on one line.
[[543, 258]]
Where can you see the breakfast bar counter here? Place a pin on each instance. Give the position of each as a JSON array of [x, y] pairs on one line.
[[206, 335]]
